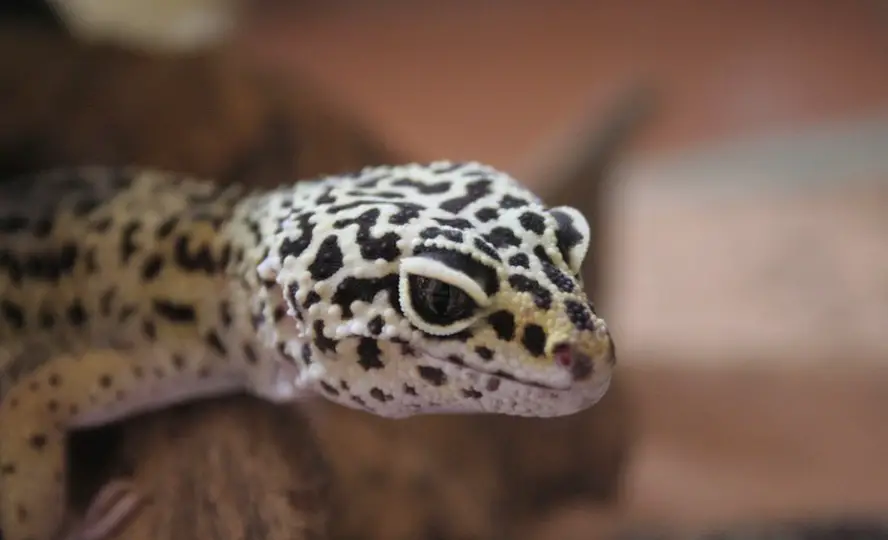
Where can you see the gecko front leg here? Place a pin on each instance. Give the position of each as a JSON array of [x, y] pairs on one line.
[[35, 416]]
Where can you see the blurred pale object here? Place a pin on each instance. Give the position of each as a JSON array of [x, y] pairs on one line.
[[773, 249], [151, 24]]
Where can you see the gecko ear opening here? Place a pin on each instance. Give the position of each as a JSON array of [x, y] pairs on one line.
[[442, 291], [572, 235]]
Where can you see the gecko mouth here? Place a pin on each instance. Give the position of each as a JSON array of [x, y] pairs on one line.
[[499, 374]]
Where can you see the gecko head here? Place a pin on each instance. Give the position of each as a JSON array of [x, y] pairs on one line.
[[445, 288]]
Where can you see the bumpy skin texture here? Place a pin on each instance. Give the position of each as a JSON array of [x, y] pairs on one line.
[[399, 290]]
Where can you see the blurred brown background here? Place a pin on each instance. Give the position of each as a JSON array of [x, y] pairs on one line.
[[746, 266]]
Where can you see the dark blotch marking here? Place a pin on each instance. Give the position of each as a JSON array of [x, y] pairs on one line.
[[306, 354], [105, 381], [38, 441], [328, 259], [502, 237], [484, 352], [76, 313], [567, 236], [493, 384], [409, 390], [541, 296], [520, 260], [322, 342], [311, 299], [225, 313], [510, 201], [329, 389], [534, 339], [250, 355], [375, 325], [372, 247], [532, 222], [369, 354], [475, 190], [559, 278], [128, 245], [434, 232], [201, 260], [578, 315], [487, 214], [13, 314], [365, 289], [379, 395], [215, 343], [166, 228], [13, 224], [486, 249], [174, 312], [149, 329], [433, 375], [456, 223], [178, 362], [471, 393], [503, 323], [425, 188], [54, 380], [152, 267]]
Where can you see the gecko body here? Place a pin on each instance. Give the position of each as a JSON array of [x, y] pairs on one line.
[[398, 290]]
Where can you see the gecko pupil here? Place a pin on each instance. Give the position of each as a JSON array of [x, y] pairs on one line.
[[440, 303]]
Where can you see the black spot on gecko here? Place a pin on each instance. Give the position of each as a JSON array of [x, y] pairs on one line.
[[379, 395], [376, 325], [567, 236], [486, 214], [306, 354], [519, 260], [534, 339], [199, 261], [372, 247], [215, 343], [433, 375], [174, 312], [7, 469], [493, 384], [54, 380], [225, 313], [503, 323], [486, 249], [47, 319], [578, 315], [128, 245], [152, 267], [322, 342], [42, 227], [38, 441], [166, 228], [510, 201], [352, 289], [456, 223], [532, 222], [559, 278], [76, 313], [12, 313], [178, 362], [502, 237], [425, 188], [484, 352], [471, 393], [250, 355], [295, 246], [475, 190], [541, 296], [13, 224], [369, 354], [409, 390], [311, 299], [329, 389], [328, 259], [149, 329], [105, 381]]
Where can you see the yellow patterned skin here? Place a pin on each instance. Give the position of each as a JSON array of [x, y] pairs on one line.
[[415, 289]]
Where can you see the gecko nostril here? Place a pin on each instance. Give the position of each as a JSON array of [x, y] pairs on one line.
[[563, 355], [568, 357]]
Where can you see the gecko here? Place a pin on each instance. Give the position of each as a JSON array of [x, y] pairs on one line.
[[423, 288]]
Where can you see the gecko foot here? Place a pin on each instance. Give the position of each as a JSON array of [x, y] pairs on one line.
[[110, 510]]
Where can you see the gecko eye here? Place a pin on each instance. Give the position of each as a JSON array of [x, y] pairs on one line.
[[442, 291], [439, 303]]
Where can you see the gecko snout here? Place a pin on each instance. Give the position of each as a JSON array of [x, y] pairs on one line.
[[578, 362]]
